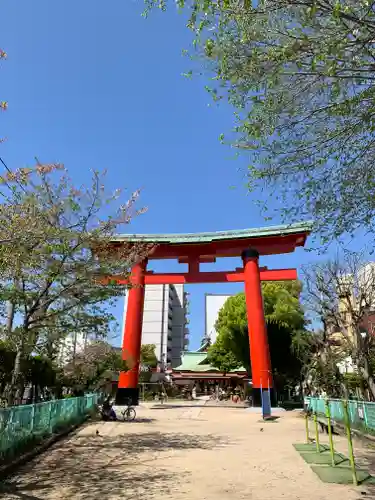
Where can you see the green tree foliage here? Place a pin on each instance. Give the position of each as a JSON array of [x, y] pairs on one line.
[[301, 77], [6, 365], [232, 344], [222, 357], [148, 356], [282, 305], [41, 373], [93, 368], [319, 358], [148, 362], [284, 317], [38, 372]]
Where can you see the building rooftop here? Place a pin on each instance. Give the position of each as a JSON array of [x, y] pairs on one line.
[[197, 362], [299, 227], [261, 232]]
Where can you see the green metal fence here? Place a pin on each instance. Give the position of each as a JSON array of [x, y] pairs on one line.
[[20, 426], [361, 413]]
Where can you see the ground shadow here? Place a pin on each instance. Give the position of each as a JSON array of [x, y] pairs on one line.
[[137, 420], [272, 418], [159, 406], [134, 444], [237, 406], [368, 490], [104, 467], [365, 459], [167, 406], [143, 420]]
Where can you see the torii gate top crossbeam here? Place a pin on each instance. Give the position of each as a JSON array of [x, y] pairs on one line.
[[206, 247]]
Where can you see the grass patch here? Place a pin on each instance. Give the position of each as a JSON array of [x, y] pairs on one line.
[[310, 447], [341, 475], [322, 458]]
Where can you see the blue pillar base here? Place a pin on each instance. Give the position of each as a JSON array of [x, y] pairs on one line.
[[257, 395], [126, 396], [266, 403]]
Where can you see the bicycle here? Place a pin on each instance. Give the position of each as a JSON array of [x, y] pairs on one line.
[[129, 413]]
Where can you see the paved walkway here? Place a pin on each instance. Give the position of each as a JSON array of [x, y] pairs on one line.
[[179, 453]]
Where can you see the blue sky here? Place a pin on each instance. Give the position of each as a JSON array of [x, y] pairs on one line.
[[95, 85]]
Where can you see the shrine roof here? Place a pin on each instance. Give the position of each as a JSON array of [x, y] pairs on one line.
[[197, 362], [261, 232]]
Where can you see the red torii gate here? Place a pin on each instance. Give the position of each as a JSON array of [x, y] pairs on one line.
[[194, 249]]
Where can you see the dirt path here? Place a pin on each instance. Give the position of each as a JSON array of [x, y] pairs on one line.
[[179, 453]]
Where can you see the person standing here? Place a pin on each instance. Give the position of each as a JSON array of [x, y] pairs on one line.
[[194, 392]]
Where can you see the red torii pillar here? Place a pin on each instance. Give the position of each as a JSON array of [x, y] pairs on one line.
[[132, 339], [261, 373]]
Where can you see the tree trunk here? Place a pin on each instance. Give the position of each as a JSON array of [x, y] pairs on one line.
[[344, 390], [75, 347], [371, 384], [10, 316], [16, 375], [367, 375]]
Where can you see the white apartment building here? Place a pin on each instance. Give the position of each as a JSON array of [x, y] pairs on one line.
[[164, 322], [72, 344], [213, 304]]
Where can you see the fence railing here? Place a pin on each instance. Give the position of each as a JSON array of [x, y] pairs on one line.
[[21, 426], [361, 413]]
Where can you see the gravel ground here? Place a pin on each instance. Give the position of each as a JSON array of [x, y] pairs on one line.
[[179, 452]]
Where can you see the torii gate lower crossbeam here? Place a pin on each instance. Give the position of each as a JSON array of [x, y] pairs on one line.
[[236, 276]]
